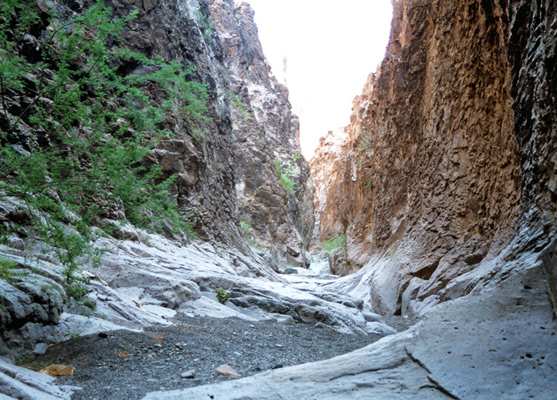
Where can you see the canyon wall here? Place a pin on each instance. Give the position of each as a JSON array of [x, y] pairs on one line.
[[533, 56], [232, 173], [273, 185], [431, 162]]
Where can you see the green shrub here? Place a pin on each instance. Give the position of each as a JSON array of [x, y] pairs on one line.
[[92, 128], [285, 174], [207, 26], [222, 295]]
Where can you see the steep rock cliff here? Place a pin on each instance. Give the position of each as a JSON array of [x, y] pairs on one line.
[[273, 185], [533, 56], [431, 162], [204, 161], [496, 341], [253, 126]]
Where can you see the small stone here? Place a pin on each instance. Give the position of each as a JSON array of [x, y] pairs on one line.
[[189, 374], [226, 370], [279, 346], [40, 348]]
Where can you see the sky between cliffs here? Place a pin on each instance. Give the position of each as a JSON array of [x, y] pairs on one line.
[[330, 46]]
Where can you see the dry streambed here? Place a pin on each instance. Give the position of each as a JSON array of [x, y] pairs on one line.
[[127, 365]]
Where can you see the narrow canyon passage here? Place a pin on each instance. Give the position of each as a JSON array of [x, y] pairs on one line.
[[186, 350], [163, 238]]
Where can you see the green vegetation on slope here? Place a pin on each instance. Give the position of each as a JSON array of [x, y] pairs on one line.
[[75, 130], [285, 176]]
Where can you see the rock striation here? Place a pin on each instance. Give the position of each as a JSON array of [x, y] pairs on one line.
[[230, 175], [532, 55], [431, 161]]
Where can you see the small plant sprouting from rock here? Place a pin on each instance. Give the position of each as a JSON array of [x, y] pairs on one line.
[[238, 105], [245, 227], [369, 184], [208, 27], [285, 176], [222, 295], [9, 270]]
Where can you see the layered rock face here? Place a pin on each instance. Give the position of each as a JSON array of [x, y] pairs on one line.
[[203, 160], [431, 164], [273, 185]]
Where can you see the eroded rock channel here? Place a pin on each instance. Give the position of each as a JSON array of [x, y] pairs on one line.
[[440, 195]]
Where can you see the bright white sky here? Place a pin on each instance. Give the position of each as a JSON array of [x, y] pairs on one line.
[[331, 46]]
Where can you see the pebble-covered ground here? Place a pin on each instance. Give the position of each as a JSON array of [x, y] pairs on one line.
[[126, 365]]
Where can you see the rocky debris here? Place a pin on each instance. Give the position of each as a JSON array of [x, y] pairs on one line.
[[189, 374], [429, 200], [226, 370], [127, 365], [273, 185], [501, 343], [146, 283], [30, 297]]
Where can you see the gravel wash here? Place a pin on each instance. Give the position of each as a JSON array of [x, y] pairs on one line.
[[126, 365]]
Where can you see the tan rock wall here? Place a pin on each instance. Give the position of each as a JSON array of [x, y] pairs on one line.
[[432, 160]]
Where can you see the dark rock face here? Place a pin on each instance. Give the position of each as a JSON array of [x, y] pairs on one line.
[[431, 163], [274, 216], [204, 161], [30, 298], [229, 175], [533, 59]]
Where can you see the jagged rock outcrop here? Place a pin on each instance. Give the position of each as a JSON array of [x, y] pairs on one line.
[[431, 163], [273, 184], [203, 161], [227, 172]]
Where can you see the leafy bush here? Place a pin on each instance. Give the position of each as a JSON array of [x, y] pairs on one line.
[[222, 295], [75, 131]]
